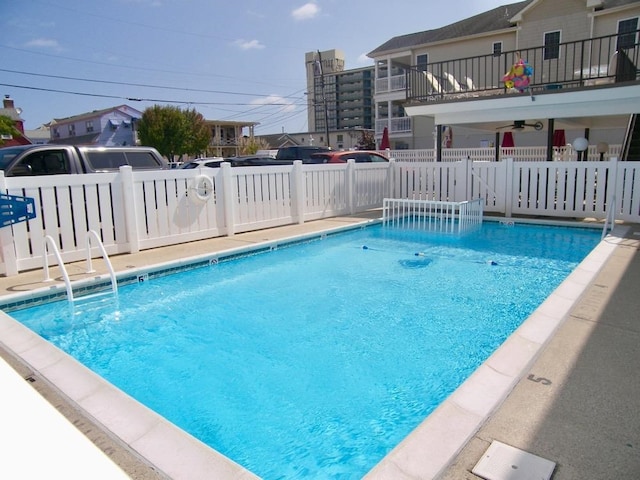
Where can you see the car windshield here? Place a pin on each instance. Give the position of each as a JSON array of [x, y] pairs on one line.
[[8, 154]]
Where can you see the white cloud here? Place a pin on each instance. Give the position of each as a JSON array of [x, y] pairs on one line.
[[305, 12], [248, 44], [44, 43], [276, 100], [364, 60]]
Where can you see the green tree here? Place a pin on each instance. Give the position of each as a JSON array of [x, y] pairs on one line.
[[173, 132], [367, 141], [198, 133], [7, 127], [250, 145]]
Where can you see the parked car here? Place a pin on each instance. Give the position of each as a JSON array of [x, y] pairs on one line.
[[33, 160], [360, 156], [255, 160], [301, 152], [211, 162]]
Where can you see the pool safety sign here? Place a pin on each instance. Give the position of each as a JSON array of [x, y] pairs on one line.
[[15, 209]]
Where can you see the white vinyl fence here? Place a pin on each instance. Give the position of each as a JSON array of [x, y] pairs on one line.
[[488, 154], [137, 210]]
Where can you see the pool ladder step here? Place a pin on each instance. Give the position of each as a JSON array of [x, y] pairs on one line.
[[91, 234]]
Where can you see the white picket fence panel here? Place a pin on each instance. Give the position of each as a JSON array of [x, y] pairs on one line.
[[488, 154], [133, 211]]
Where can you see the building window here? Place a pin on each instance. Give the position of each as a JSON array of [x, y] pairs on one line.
[[552, 45], [89, 126], [627, 33], [422, 61], [72, 130], [497, 49]]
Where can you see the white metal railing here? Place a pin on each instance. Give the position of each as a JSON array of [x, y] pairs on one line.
[[432, 216], [49, 241], [391, 84], [394, 125], [112, 274], [610, 219]]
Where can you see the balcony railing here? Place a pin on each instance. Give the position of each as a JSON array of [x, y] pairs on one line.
[[394, 125], [394, 83], [601, 61]]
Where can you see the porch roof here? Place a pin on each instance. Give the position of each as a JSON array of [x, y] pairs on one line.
[[608, 107]]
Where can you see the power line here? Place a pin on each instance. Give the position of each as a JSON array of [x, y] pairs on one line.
[[144, 69], [134, 99], [110, 82]]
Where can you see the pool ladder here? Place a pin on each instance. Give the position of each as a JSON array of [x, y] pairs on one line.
[[91, 234]]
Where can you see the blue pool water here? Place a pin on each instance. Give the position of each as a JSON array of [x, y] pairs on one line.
[[313, 361]]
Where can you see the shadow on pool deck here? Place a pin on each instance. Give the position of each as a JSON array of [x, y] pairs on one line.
[[584, 417], [579, 403]]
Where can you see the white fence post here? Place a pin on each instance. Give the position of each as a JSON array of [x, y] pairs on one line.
[[508, 187], [350, 180], [612, 186], [6, 240], [297, 192], [228, 198], [392, 178], [468, 178], [131, 208]]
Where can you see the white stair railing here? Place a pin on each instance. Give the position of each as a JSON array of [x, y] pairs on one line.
[[93, 234], [49, 241], [610, 219]]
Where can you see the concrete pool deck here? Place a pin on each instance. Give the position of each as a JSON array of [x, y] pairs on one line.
[[575, 402]]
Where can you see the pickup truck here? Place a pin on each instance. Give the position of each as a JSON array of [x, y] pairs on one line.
[[31, 160]]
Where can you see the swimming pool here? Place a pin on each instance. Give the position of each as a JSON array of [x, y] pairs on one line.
[[484, 257]]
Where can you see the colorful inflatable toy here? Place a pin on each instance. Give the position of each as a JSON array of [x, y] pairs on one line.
[[519, 76]]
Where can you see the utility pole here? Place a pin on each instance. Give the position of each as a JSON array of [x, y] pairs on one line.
[[320, 71]]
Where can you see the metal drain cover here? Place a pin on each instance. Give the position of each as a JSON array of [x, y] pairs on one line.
[[504, 462]]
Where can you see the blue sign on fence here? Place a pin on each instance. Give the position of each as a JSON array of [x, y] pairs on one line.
[[14, 209]]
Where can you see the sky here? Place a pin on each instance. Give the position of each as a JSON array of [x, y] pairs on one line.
[[237, 61]]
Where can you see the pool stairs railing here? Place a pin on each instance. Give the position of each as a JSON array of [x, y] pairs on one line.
[[610, 219], [433, 216], [91, 234]]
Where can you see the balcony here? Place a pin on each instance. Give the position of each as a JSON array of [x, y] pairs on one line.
[[601, 62], [395, 83], [395, 125]]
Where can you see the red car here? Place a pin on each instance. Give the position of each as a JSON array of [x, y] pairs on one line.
[[360, 156]]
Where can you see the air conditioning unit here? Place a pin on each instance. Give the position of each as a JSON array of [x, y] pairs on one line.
[[6, 137]]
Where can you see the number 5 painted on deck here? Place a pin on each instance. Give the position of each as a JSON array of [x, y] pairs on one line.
[[542, 380]]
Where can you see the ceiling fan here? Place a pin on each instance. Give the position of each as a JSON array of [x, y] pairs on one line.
[[520, 124]]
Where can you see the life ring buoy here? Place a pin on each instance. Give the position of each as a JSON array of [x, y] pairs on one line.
[[202, 188]]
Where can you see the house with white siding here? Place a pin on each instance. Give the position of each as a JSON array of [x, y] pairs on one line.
[[115, 126], [582, 57]]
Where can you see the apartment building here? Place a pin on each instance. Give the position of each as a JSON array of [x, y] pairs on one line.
[[338, 99], [452, 76]]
